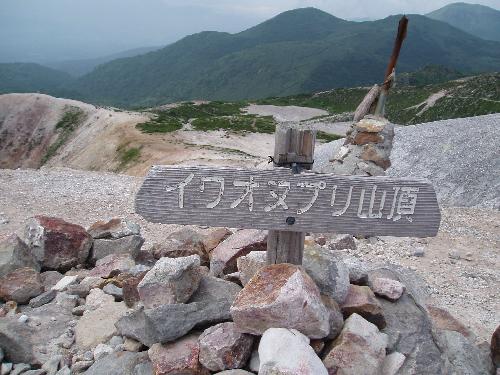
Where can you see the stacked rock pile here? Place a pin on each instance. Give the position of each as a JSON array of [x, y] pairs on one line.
[[205, 302]]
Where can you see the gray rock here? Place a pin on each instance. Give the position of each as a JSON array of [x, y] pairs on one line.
[[182, 243], [43, 299], [283, 351], [115, 341], [20, 368], [222, 292], [64, 283], [102, 350], [234, 372], [14, 254], [418, 252], [222, 347], [126, 245], [336, 318], [462, 356], [171, 280], [34, 372], [168, 322], [5, 368], [144, 368], [81, 366], [249, 264], [328, 271], [50, 278], [52, 365], [64, 371], [342, 241], [1, 355], [114, 228], [392, 363], [114, 291]]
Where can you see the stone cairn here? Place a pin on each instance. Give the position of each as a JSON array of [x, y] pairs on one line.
[[205, 302]]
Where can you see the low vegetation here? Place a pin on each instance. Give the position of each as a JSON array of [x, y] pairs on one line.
[[127, 155], [72, 118]]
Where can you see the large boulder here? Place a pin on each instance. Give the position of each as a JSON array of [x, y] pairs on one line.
[[328, 271], [171, 280], [14, 254], [114, 228], [21, 285], [285, 352], [57, 244], [281, 295], [169, 322], [359, 349], [223, 347], [124, 245], [180, 357], [223, 258], [361, 300]]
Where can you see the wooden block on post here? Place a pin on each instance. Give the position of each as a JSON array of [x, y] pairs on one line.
[[292, 144]]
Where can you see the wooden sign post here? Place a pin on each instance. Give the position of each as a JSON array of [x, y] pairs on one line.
[[287, 201]]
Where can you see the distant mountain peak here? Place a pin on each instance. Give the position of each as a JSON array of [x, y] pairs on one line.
[[476, 19]]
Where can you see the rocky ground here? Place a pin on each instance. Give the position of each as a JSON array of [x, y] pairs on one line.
[[460, 265]]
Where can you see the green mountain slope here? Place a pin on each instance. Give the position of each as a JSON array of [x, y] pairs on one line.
[[478, 20], [27, 77], [304, 50]]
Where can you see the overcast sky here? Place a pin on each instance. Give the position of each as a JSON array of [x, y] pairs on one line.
[[50, 30]]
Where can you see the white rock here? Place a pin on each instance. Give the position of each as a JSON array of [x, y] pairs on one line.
[[283, 351], [23, 318], [102, 350], [64, 283], [392, 363]]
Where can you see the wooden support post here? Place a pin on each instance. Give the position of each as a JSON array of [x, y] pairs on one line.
[[293, 148]]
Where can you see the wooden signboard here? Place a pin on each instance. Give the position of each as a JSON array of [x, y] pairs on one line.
[[280, 200]]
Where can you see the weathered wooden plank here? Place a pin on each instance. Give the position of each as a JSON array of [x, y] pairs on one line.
[[292, 144], [252, 198]]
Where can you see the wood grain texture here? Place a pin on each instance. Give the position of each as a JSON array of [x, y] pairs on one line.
[[292, 144], [158, 205]]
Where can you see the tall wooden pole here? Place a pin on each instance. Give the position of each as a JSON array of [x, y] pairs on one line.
[[293, 148]]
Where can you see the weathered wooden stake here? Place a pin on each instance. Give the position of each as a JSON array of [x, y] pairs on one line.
[[293, 148]]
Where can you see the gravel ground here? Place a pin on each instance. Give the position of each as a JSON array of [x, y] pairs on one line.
[[460, 265]]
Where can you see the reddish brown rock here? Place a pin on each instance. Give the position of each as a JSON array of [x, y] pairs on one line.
[[362, 138], [21, 285], [212, 239], [114, 228], [223, 257], [495, 347], [57, 244], [387, 288], [362, 301], [182, 243], [359, 349], [15, 254], [112, 265], [443, 320], [129, 288], [180, 357], [281, 295], [376, 155], [223, 347], [50, 278]]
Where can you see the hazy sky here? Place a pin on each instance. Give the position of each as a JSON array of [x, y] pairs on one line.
[[50, 30]]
